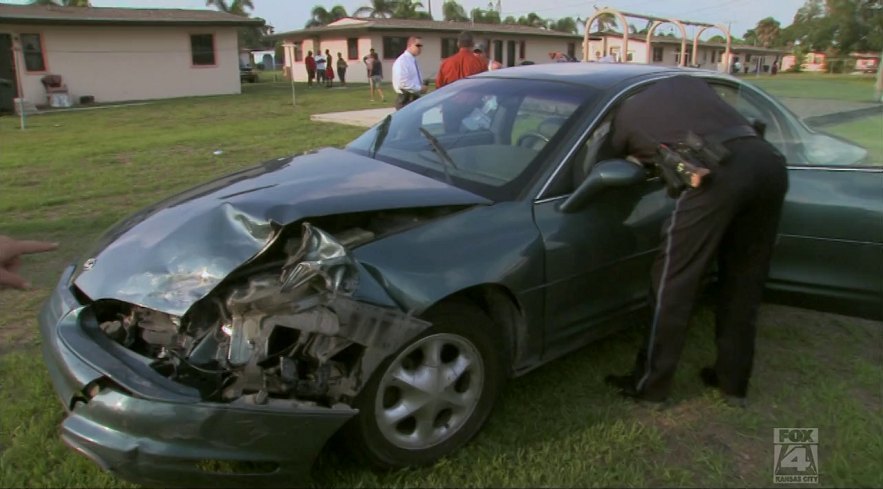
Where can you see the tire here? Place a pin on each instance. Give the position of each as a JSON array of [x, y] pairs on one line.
[[464, 339]]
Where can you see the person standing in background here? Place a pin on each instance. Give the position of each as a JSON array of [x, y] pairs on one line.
[[406, 79], [321, 64], [492, 64], [310, 65], [329, 69], [462, 64], [375, 74], [341, 69]]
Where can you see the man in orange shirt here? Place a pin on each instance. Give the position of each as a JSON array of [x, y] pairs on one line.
[[460, 65]]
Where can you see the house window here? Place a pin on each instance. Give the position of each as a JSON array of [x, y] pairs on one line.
[[32, 48], [657, 53], [521, 50], [571, 50], [298, 52], [202, 49], [394, 46], [448, 46], [352, 48]]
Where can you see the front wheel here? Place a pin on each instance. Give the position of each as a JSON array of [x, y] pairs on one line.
[[434, 394]]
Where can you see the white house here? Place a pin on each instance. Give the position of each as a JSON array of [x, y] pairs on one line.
[[116, 54], [667, 51], [354, 37]]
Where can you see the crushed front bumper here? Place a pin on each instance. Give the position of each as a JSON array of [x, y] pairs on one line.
[[145, 428]]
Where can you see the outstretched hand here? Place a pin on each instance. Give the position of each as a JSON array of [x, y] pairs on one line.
[[10, 259]]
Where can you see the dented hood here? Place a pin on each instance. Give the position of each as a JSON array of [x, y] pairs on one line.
[[172, 254]]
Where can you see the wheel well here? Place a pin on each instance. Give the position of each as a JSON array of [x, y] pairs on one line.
[[501, 305]]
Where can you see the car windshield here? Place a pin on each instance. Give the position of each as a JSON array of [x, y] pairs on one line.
[[489, 136]]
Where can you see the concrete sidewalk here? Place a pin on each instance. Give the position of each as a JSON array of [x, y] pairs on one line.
[[815, 112], [362, 118]]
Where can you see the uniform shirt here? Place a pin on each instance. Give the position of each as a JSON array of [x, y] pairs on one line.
[[406, 74], [666, 111], [460, 65]]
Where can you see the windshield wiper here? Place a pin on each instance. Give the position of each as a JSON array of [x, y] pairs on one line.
[[440, 150], [382, 131]]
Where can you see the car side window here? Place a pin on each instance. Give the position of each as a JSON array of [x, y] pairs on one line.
[[775, 133], [596, 147], [801, 145]]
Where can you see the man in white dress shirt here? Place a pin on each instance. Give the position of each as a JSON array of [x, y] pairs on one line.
[[406, 79]]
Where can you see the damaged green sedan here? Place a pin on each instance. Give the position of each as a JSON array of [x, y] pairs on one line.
[[385, 292]]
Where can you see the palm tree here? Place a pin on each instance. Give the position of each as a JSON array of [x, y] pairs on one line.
[[766, 31], [486, 16], [378, 9], [325, 17], [407, 9], [606, 22], [235, 7], [453, 12], [567, 24], [533, 20]]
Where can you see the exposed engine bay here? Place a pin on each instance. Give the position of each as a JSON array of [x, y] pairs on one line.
[[283, 326]]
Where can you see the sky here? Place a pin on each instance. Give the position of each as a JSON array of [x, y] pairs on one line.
[[741, 15]]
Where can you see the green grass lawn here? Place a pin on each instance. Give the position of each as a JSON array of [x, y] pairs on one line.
[[853, 88], [867, 132], [70, 175]]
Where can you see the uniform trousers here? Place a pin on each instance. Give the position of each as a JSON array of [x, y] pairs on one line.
[[732, 218]]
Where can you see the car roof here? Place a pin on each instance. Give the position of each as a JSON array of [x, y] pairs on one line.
[[592, 74]]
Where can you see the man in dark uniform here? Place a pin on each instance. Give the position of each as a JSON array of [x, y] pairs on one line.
[[731, 216]]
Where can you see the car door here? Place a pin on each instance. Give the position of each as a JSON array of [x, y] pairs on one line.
[[597, 258], [829, 252]]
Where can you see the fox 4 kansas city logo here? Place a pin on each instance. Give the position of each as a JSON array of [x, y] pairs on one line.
[[796, 457]]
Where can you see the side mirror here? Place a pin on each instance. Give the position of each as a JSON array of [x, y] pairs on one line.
[[608, 173]]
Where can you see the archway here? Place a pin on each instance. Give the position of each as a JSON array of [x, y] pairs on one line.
[[655, 22], [726, 58], [625, 32]]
